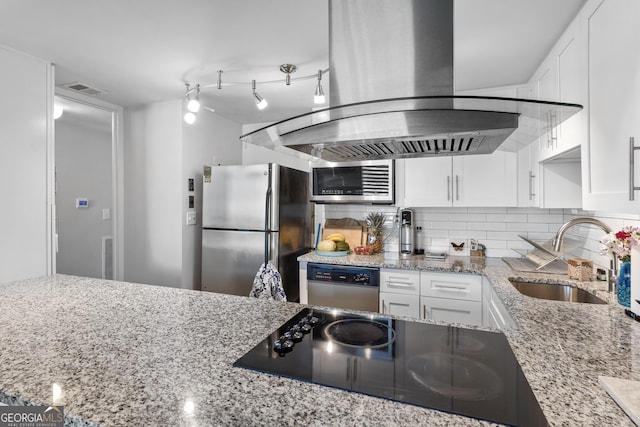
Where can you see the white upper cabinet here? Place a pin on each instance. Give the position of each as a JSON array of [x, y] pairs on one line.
[[528, 176], [473, 180], [562, 77], [549, 172], [485, 180], [528, 158], [546, 83], [463, 181], [572, 87], [427, 182], [613, 63]]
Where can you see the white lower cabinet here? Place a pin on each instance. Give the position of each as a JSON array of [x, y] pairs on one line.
[[399, 304], [399, 292], [466, 299], [451, 310], [400, 281], [451, 285], [451, 297]]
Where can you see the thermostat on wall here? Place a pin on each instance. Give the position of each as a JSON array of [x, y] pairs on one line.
[[81, 202]]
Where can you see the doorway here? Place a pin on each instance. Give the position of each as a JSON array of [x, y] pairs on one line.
[[88, 183]]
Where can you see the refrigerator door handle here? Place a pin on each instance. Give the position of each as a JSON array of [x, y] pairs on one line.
[[267, 220]]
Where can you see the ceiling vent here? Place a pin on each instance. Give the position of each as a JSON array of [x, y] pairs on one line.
[[84, 88]]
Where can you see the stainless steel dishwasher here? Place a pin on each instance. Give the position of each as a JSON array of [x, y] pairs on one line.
[[346, 287]]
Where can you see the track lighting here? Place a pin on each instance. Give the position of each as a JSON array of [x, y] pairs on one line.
[[192, 95], [261, 103], [318, 96], [193, 103]]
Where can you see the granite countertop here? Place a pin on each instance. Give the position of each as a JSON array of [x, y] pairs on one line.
[[131, 354]]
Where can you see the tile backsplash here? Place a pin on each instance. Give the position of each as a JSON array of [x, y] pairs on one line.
[[496, 228]]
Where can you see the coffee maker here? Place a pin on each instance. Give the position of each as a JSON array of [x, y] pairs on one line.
[[407, 232]]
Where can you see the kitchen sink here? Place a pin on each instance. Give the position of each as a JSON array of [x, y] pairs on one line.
[[556, 292]]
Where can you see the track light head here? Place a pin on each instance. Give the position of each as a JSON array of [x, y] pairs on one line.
[[193, 105], [318, 96], [190, 117], [193, 102], [261, 103]]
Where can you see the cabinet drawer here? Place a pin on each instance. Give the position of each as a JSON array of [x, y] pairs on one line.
[[451, 285], [400, 304], [400, 281], [451, 311]]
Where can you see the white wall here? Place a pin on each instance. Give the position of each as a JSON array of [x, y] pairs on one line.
[[83, 169], [210, 140], [153, 193], [27, 94], [161, 154]]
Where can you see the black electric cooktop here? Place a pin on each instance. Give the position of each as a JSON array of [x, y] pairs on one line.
[[462, 371]]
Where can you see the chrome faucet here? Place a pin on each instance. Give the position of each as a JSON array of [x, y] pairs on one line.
[[559, 238]]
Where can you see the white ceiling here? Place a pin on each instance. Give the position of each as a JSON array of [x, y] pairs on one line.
[[142, 51]]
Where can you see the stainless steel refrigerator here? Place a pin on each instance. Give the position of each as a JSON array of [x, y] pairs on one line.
[[251, 213]]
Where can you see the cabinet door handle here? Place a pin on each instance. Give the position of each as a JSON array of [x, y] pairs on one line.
[[457, 189], [632, 166], [383, 311], [398, 284], [424, 311], [355, 370], [531, 193], [452, 288], [548, 129], [348, 369], [448, 188], [553, 130]]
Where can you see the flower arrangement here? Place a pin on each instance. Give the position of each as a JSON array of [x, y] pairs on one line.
[[619, 244]]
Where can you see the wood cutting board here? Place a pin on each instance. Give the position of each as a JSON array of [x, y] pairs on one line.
[[354, 235]]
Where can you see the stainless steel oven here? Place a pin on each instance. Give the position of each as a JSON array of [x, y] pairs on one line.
[[353, 182], [353, 288]]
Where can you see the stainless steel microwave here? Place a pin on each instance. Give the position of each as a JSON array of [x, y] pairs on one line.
[[370, 182]]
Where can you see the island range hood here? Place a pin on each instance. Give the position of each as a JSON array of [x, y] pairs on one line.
[[392, 92]]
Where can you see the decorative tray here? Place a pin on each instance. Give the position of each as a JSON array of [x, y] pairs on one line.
[[435, 255]]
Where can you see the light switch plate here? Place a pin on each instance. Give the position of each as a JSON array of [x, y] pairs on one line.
[[191, 218], [106, 214]]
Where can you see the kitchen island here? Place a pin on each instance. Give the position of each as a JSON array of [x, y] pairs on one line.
[[130, 354]]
